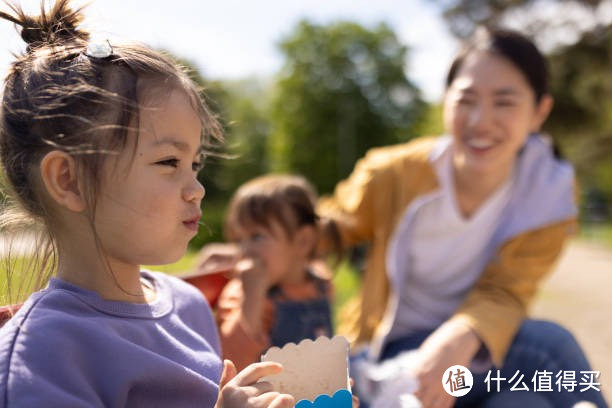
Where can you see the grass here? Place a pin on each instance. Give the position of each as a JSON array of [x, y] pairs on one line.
[[597, 232], [185, 264]]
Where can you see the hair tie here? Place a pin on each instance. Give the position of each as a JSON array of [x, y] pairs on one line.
[[99, 49]]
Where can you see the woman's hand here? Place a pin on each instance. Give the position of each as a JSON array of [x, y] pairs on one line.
[[451, 344], [243, 391], [355, 398]]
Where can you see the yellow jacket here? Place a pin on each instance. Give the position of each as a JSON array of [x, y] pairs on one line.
[[369, 205]]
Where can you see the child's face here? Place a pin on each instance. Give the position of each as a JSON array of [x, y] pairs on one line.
[[149, 203], [277, 252]]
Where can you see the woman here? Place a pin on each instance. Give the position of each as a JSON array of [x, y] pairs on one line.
[[462, 229]]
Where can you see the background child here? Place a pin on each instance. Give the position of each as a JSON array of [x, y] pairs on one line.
[[101, 145], [279, 294]]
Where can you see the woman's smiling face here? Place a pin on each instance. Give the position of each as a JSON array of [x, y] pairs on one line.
[[490, 109]]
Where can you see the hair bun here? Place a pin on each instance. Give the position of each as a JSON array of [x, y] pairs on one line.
[[57, 25]]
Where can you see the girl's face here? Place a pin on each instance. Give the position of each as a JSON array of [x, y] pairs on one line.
[[149, 203], [489, 109], [280, 255]]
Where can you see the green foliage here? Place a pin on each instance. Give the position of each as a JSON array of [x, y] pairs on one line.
[[431, 123], [582, 118], [463, 16], [183, 265], [240, 108], [346, 284], [247, 130], [211, 230], [342, 90]]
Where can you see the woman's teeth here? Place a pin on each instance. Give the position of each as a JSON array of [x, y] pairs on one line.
[[480, 143]]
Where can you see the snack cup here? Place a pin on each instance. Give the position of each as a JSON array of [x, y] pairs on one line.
[[315, 373]]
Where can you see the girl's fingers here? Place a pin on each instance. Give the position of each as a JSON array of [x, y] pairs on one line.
[[260, 388], [282, 401], [229, 372], [274, 399], [256, 371]]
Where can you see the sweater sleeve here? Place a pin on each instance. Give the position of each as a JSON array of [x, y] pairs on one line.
[[498, 303]]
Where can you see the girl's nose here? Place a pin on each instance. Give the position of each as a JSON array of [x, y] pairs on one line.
[[246, 248], [194, 191]]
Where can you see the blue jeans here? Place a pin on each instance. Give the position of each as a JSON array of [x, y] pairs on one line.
[[538, 346]]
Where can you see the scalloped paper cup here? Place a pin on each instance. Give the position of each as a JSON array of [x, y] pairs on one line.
[[315, 373]]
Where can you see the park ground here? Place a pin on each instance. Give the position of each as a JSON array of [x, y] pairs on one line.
[[578, 295]]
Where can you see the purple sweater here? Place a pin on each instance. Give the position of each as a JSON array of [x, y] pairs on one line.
[[67, 347]]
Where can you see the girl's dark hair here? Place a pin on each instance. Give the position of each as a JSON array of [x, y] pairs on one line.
[[287, 199], [57, 96], [514, 47]]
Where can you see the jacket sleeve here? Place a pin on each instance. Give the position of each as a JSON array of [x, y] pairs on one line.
[[352, 204], [498, 303]]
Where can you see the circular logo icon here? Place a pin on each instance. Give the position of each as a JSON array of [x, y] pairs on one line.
[[457, 380]]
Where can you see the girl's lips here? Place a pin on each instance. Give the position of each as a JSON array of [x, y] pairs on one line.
[[193, 223]]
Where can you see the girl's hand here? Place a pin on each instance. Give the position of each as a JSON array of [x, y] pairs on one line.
[[254, 276], [243, 391], [451, 344], [217, 258]]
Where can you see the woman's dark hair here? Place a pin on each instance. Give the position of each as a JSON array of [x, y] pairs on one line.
[[514, 47]]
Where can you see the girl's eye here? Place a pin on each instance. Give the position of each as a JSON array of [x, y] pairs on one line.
[[169, 162], [257, 237], [197, 166]]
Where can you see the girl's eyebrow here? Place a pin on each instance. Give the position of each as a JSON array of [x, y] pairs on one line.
[[177, 144]]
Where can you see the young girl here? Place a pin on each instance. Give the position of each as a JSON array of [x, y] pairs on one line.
[[101, 143], [279, 294]]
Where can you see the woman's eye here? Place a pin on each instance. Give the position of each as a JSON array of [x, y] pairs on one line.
[[504, 103], [465, 101], [169, 162]]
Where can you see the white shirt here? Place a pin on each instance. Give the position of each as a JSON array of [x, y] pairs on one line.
[[445, 254]]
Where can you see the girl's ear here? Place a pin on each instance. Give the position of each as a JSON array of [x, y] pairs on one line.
[[306, 238], [59, 176]]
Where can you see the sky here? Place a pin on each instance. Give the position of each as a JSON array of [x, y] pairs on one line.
[[234, 39]]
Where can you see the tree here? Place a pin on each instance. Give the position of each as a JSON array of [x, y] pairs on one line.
[[343, 89], [535, 17]]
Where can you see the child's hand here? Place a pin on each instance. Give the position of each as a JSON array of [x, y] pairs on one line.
[[243, 391], [254, 276], [217, 258]]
